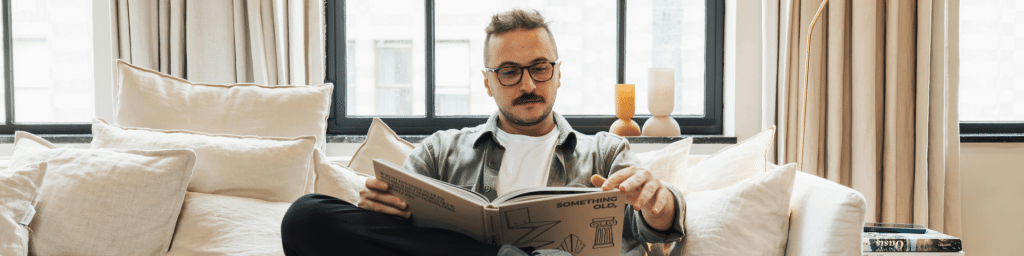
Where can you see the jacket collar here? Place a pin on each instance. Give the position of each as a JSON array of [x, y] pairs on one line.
[[566, 135]]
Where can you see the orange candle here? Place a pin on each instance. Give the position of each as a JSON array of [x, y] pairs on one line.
[[625, 101]]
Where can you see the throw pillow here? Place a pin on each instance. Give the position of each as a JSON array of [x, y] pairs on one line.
[[381, 142], [669, 162], [227, 225], [337, 181], [748, 218], [105, 202], [146, 98], [731, 164], [19, 190], [267, 168]]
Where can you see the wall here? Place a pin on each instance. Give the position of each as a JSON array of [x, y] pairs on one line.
[[992, 187]]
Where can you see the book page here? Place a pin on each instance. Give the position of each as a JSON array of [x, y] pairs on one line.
[[432, 203], [582, 224]]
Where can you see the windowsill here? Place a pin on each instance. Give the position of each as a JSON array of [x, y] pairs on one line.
[[991, 137], [697, 139]]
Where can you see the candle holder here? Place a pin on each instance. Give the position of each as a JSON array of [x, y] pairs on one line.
[[661, 90], [625, 108]]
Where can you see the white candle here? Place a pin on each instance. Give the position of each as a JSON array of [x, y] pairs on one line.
[[661, 91]]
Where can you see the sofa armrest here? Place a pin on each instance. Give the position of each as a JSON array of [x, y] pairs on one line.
[[826, 218]]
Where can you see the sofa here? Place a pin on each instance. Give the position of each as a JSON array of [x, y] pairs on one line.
[[200, 169]]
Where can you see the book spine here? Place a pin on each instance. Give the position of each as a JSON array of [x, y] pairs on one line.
[[914, 254], [910, 245], [491, 222]]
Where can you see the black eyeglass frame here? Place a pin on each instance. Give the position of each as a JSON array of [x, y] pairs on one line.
[[521, 68]]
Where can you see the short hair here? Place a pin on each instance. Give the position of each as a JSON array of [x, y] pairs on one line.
[[512, 20]]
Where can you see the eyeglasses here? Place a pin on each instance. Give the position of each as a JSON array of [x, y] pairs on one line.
[[511, 75]]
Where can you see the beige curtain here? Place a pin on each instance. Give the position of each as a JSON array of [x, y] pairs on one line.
[[881, 103], [272, 42]]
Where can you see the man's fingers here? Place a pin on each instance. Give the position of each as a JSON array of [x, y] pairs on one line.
[[634, 183], [646, 194], [382, 208], [664, 198], [597, 180], [617, 178], [390, 200], [375, 184]]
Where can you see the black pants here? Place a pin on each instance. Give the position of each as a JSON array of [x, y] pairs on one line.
[[323, 225]]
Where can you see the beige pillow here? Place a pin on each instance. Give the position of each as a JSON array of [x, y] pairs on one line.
[[105, 202], [227, 225], [670, 163], [337, 181], [267, 168], [19, 190], [381, 142], [731, 164], [150, 99], [747, 218]]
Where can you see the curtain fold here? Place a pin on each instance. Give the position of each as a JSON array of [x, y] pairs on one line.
[[272, 42], [881, 111]]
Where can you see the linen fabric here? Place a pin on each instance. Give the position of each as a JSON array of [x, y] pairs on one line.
[[381, 142], [129, 198], [882, 95], [337, 181], [268, 168], [670, 163], [747, 218], [731, 164], [227, 225], [826, 218], [19, 189], [149, 99]]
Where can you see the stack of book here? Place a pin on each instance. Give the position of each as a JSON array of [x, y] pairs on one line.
[[930, 243]]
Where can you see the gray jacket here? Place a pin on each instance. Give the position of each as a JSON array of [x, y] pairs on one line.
[[471, 157]]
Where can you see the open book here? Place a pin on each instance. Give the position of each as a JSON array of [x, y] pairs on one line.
[[582, 221]]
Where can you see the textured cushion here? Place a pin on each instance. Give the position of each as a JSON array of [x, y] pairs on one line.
[[748, 218], [731, 164], [150, 99], [227, 225], [825, 218], [669, 163], [381, 142], [105, 202], [337, 181], [19, 188], [267, 168]]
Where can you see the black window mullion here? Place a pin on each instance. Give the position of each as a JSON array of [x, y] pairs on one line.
[[8, 64], [621, 45], [337, 69], [429, 68]]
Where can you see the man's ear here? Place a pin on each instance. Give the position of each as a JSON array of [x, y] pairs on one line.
[[486, 84]]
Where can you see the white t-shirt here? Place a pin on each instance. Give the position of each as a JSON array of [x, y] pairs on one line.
[[526, 162]]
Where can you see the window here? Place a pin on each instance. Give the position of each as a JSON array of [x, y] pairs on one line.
[[991, 67], [438, 47], [49, 43]]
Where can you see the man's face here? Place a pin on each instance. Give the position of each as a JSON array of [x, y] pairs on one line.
[[528, 102]]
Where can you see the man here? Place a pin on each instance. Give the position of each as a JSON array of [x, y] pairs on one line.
[[524, 145]]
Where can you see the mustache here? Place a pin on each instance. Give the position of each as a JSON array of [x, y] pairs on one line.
[[528, 98]]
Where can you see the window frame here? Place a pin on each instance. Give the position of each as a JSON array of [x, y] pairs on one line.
[[10, 124], [339, 123]]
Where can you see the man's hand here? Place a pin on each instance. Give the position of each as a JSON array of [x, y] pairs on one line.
[[645, 193], [375, 197]]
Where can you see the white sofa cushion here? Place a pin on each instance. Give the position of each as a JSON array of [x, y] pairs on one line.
[[669, 163], [19, 189], [748, 218], [227, 225], [825, 219], [150, 99], [381, 142], [105, 202], [337, 181], [268, 168]]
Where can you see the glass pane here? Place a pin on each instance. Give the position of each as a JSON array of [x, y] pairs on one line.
[[385, 53], [584, 34], [453, 75], [53, 61], [667, 34], [991, 60]]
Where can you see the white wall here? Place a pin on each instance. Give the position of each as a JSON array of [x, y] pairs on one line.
[[992, 187]]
